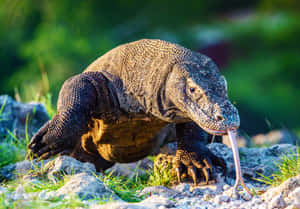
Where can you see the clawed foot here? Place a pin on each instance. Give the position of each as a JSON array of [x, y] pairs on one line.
[[197, 161], [52, 139]]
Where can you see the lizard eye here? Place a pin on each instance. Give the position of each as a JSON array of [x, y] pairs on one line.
[[192, 89]]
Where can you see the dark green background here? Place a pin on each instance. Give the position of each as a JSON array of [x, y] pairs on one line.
[[43, 42]]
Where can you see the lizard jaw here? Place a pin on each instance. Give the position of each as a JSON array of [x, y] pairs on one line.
[[218, 132]]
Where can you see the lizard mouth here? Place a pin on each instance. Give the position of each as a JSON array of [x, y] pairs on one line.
[[218, 132]]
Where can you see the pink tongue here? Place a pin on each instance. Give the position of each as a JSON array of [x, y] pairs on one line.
[[236, 158]]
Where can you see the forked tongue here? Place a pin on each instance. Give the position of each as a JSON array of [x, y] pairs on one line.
[[236, 157]]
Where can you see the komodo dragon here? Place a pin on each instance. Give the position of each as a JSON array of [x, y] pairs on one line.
[[113, 110]]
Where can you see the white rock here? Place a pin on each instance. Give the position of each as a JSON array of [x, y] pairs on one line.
[[262, 206], [20, 189], [42, 195], [3, 190], [153, 202], [233, 193], [222, 198], [237, 203], [257, 160], [185, 201], [156, 201], [226, 187], [293, 206], [131, 170], [161, 190], [208, 196], [120, 206], [284, 189], [256, 200], [277, 203], [68, 166], [18, 194], [183, 187], [197, 191], [45, 195], [295, 195], [51, 195], [86, 187], [269, 194]]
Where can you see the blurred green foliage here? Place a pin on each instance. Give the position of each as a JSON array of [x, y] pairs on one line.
[[42, 43], [265, 75]]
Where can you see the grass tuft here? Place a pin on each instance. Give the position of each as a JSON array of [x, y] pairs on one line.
[[126, 188], [12, 150], [1, 109], [288, 167], [163, 172]]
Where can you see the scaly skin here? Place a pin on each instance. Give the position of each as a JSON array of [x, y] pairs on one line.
[[113, 110]]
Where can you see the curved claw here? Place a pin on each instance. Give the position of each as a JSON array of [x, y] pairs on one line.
[[53, 138], [51, 153], [206, 174], [193, 174], [208, 163], [36, 140], [199, 162], [178, 172]]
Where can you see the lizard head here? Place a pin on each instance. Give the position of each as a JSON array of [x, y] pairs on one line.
[[199, 91]]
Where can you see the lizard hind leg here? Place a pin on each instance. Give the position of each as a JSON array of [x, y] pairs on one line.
[[86, 151]]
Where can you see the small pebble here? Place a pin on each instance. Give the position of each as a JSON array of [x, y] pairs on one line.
[[226, 187], [207, 197], [221, 198], [246, 196], [256, 200], [45, 195], [233, 193], [197, 191], [183, 187]]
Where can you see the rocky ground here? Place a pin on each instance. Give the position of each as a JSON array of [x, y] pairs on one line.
[[84, 182], [64, 182]]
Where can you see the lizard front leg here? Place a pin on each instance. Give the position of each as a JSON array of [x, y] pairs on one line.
[[193, 156], [77, 99]]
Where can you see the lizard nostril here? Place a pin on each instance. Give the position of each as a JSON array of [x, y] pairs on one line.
[[219, 117]]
